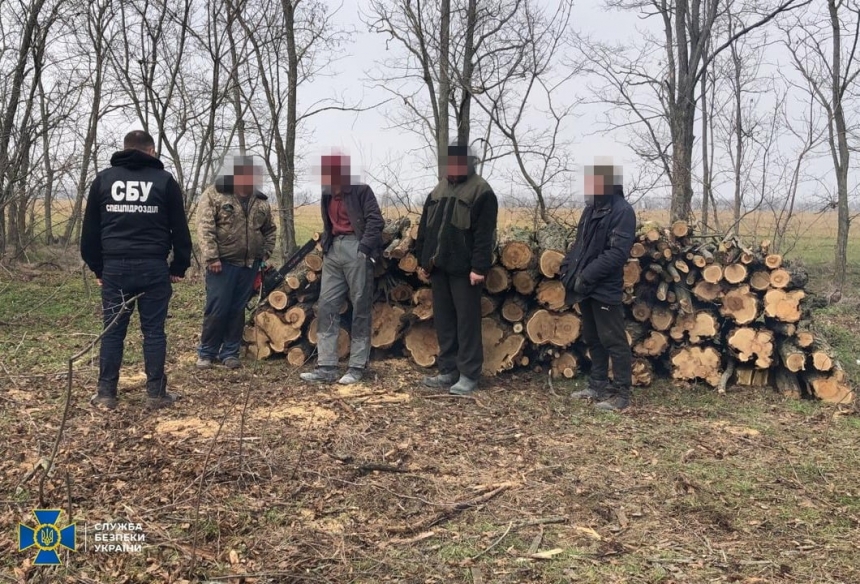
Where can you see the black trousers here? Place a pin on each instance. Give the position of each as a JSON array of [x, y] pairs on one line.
[[457, 317], [604, 333], [122, 279]]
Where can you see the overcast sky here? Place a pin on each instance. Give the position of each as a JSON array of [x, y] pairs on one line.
[[371, 145]]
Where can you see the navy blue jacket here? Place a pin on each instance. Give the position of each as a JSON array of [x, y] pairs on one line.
[[602, 246]]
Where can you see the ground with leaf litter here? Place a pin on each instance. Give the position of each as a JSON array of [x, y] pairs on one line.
[[257, 477]]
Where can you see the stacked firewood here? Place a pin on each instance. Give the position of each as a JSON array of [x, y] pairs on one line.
[[699, 309]]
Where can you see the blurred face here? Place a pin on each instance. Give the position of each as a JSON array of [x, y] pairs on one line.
[[593, 188], [333, 169], [243, 180], [458, 166]]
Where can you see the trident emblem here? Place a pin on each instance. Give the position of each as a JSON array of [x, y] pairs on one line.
[[46, 537]]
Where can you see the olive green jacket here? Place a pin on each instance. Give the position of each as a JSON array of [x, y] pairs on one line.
[[228, 233]]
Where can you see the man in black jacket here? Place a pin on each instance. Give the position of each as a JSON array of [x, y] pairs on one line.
[[352, 239], [134, 217], [592, 272], [454, 247]]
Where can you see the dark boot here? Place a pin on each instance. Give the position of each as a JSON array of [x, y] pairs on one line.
[[442, 380], [617, 401], [596, 390], [157, 396], [105, 397]]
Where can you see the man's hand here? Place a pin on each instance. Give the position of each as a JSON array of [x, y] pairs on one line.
[[476, 279], [214, 267], [176, 279], [99, 281], [423, 274]]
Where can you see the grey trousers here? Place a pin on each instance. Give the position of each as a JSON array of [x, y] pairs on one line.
[[346, 273]]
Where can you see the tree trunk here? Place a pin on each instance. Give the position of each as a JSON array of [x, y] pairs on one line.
[[444, 87]]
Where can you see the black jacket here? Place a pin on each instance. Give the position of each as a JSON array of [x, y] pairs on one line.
[[364, 216], [135, 211], [442, 244], [602, 246]]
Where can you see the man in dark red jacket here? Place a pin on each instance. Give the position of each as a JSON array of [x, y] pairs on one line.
[[351, 243], [592, 272]]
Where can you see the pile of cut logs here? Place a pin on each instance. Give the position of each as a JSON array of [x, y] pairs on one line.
[[699, 308]]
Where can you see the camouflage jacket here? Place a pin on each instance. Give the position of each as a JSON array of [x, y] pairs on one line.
[[228, 233]]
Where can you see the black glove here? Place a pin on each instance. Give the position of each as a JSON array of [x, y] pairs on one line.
[[579, 286]]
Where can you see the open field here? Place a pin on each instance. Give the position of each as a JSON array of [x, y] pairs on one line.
[[254, 473]]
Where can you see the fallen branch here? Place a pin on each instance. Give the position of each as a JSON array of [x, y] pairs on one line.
[[495, 543], [450, 511], [369, 467]]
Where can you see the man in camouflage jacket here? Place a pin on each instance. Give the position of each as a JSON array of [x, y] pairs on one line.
[[236, 234]]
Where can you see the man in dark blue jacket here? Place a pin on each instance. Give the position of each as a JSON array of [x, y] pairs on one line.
[[135, 217], [352, 241], [592, 272]]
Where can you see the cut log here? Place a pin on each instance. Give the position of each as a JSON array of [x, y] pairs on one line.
[[641, 311], [643, 372], [632, 273], [421, 344], [684, 299], [489, 305], [673, 273], [784, 306], [565, 366], [773, 261], [401, 292], [408, 264], [740, 305], [514, 308], [787, 383], [298, 278], [682, 266], [695, 328], [804, 339], [653, 345], [828, 388], [259, 348], [752, 345], [278, 300], [780, 278], [638, 250], [314, 261], [650, 231], [735, 273], [550, 262], [525, 281], [712, 274], [546, 328], [423, 302], [680, 229], [692, 363], [793, 357], [516, 250], [663, 291], [279, 333], [662, 318], [760, 281], [391, 247], [298, 355], [551, 293], [821, 355], [386, 325], [402, 249], [502, 347], [707, 292], [498, 280]]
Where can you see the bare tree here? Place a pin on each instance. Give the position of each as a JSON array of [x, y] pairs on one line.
[[654, 83], [823, 47]]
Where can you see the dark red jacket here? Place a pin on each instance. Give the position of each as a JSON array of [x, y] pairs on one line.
[[364, 215]]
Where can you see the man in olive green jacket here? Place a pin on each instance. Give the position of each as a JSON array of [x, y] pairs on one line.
[[236, 233]]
